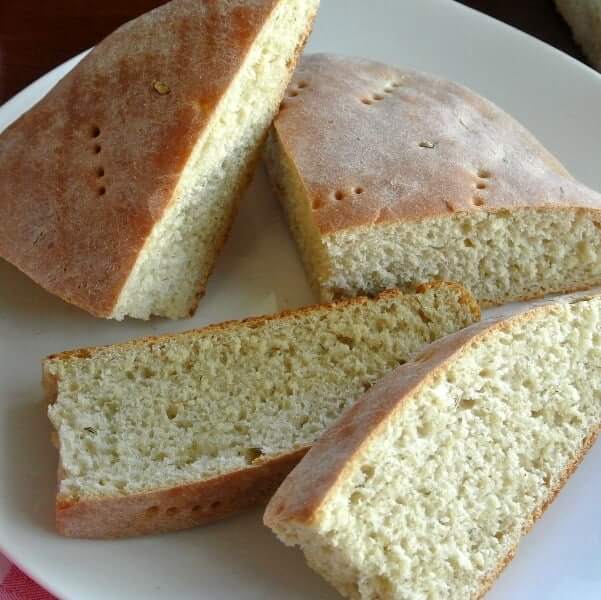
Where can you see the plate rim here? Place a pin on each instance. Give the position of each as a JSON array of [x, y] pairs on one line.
[[35, 90]]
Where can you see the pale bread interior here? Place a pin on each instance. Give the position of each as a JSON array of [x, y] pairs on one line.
[[499, 256], [433, 504], [175, 263], [294, 200], [160, 413]]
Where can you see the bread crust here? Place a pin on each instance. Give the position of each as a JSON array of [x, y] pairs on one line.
[[201, 502], [176, 508], [88, 172], [314, 480], [417, 150], [253, 322]]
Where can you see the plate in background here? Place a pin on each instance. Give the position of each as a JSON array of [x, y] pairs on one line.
[[558, 98]]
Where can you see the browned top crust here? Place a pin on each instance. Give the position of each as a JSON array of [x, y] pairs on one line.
[[374, 144], [310, 484], [87, 172]]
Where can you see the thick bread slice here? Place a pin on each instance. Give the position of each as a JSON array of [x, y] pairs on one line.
[[118, 188], [391, 177], [166, 433], [584, 17], [425, 486]]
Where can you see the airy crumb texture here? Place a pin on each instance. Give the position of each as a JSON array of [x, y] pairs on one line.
[[390, 178], [584, 17], [172, 270], [499, 257], [425, 487], [164, 412]]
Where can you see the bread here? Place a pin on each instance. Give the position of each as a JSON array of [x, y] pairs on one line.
[[584, 17], [166, 433], [425, 486], [118, 188], [392, 177]]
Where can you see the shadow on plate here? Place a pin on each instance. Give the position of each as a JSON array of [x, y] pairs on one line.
[[259, 266], [31, 464], [21, 297], [35, 312], [260, 256], [253, 554]]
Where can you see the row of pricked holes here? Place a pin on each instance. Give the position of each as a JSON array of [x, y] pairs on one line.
[[483, 175], [389, 89], [97, 150], [294, 92], [477, 200], [481, 185], [338, 195], [173, 510]]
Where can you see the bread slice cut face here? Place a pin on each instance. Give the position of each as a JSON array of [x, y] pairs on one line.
[[118, 188], [424, 488], [166, 433], [390, 177]]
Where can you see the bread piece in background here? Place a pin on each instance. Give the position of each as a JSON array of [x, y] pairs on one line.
[[424, 488], [584, 17], [118, 188], [167, 433], [393, 177]]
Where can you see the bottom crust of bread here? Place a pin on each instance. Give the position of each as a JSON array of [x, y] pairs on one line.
[[174, 506], [174, 509]]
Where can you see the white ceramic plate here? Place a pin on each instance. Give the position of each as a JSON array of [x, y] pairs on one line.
[[556, 97]]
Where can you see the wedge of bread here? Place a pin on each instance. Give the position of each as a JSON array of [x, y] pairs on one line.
[[391, 177], [584, 17], [425, 486], [166, 433], [118, 188]]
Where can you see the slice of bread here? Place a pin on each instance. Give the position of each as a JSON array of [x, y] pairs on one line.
[[584, 17], [118, 188], [391, 177], [167, 433], [425, 486]]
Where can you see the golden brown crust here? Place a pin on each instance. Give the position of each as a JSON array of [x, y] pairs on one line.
[[122, 516], [254, 322], [312, 482], [176, 508], [421, 148], [50, 386], [86, 173]]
